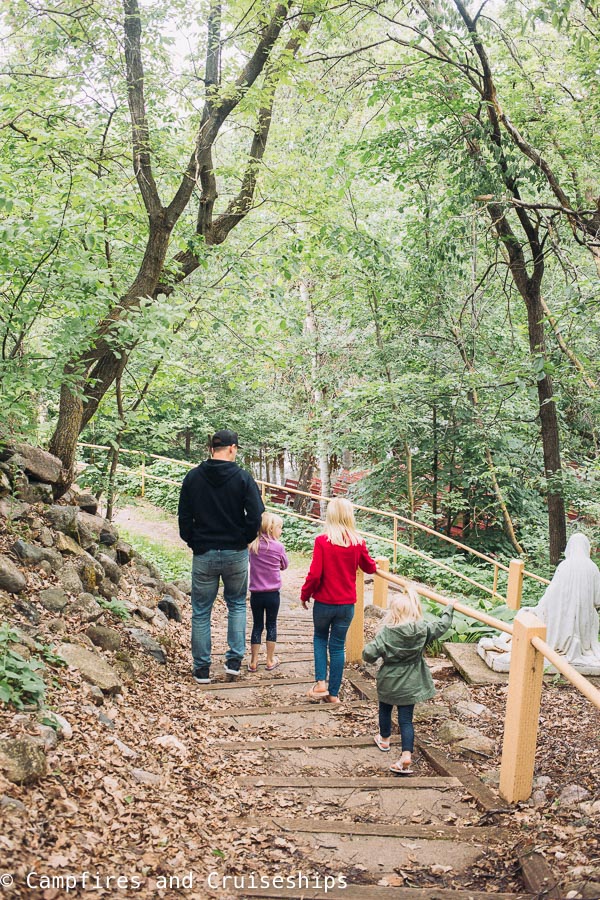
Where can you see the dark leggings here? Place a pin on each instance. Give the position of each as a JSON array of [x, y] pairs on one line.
[[405, 721], [264, 603]]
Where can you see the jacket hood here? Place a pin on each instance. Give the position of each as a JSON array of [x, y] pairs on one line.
[[404, 642], [218, 471]]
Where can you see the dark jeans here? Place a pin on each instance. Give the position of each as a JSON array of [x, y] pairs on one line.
[[405, 721], [331, 621], [264, 603]]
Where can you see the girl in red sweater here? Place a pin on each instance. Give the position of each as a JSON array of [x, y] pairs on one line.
[[331, 582]]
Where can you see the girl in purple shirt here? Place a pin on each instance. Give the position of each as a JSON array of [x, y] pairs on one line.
[[267, 559]]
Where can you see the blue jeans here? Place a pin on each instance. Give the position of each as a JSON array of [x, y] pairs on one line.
[[405, 722], [207, 569], [331, 621]]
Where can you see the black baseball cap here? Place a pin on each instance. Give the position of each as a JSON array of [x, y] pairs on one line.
[[224, 438]]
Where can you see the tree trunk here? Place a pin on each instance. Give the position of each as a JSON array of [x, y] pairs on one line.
[[557, 525]]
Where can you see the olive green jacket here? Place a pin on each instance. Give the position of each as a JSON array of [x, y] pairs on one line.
[[404, 677]]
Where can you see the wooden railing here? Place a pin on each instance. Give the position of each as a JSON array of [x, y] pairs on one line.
[[515, 570], [528, 651]]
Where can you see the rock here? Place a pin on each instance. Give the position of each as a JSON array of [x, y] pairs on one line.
[[5, 485], [538, 799], [160, 621], [33, 555], [45, 567], [81, 498], [85, 560], [111, 569], [144, 777], [104, 719], [95, 694], [148, 644], [11, 577], [127, 752], [107, 589], [125, 664], [424, 712], [48, 737], [572, 794], [61, 725], [11, 803], [184, 585], [46, 538], [27, 609], [124, 552], [57, 626], [86, 608], [13, 509], [70, 580], [66, 544], [36, 492], [149, 582], [145, 612], [63, 519], [22, 760], [168, 606], [173, 591], [452, 731], [585, 890], [92, 667], [542, 782], [492, 776], [374, 612], [472, 710], [104, 637], [455, 692], [170, 742], [53, 599], [39, 463], [97, 529], [477, 745]]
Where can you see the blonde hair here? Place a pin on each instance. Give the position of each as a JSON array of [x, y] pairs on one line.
[[340, 526], [269, 524], [403, 608]]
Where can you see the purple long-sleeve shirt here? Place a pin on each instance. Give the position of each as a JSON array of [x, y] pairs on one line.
[[266, 565]]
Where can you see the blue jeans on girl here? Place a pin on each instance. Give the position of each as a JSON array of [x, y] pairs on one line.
[[405, 721], [331, 621]]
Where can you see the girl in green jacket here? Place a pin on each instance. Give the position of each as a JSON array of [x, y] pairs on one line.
[[404, 677]]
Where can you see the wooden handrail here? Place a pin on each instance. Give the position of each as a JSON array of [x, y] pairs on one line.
[[565, 668], [394, 543], [444, 601]]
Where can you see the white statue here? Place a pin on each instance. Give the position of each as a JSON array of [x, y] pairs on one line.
[[568, 608]]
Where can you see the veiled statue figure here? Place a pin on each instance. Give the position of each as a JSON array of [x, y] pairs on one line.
[[569, 610]]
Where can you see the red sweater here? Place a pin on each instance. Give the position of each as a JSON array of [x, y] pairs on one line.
[[332, 574]]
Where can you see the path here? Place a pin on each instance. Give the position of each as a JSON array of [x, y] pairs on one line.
[[314, 771]]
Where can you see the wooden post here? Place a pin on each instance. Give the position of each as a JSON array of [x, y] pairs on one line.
[[515, 583], [143, 489], [355, 639], [380, 585], [495, 587], [263, 491], [522, 709], [395, 541]]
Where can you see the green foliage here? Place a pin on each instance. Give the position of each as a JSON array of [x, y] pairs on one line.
[[115, 607], [20, 681], [172, 563]]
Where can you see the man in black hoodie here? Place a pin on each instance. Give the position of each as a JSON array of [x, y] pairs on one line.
[[220, 509]]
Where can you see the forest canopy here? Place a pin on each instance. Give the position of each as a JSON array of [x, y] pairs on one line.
[[350, 230]]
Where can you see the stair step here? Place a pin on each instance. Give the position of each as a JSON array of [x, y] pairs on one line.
[[378, 892], [371, 783]]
